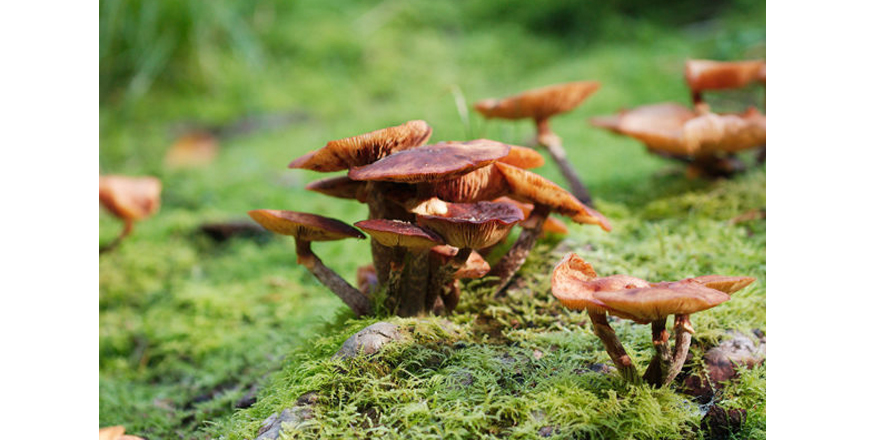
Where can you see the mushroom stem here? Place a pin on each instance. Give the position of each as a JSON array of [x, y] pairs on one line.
[[683, 331], [352, 297], [443, 283], [516, 256], [553, 143], [129, 226], [411, 291], [659, 367], [615, 349]]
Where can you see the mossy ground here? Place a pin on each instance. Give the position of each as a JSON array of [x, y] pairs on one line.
[[191, 329]]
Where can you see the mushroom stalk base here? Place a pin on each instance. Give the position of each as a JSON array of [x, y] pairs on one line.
[[516, 256], [658, 370], [682, 345], [352, 297], [615, 349], [553, 143]]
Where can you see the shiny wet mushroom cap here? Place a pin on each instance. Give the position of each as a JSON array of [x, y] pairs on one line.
[[129, 198], [534, 188], [720, 75], [364, 149], [539, 103], [473, 225], [393, 233], [433, 162], [303, 226]]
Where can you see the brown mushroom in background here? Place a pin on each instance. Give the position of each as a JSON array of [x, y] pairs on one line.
[[705, 141], [409, 267], [704, 75], [306, 228], [578, 287], [540, 105], [192, 150], [129, 199]]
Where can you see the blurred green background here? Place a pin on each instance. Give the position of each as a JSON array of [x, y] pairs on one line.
[[189, 327]]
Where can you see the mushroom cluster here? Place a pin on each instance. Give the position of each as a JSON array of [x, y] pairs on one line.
[[578, 287], [704, 140], [431, 208], [540, 105]]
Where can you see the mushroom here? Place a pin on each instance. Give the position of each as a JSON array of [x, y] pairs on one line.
[[409, 267], [129, 199], [577, 286], [192, 150], [704, 75], [469, 226], [704, 141], [306, 228], [540, 105]]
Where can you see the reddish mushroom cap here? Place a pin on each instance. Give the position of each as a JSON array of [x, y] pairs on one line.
[[393, 233], [364, 149], [539, 103], [129, 198], [473, 225], [303, 226], [433, 162]]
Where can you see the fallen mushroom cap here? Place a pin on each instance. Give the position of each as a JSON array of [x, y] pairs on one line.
[[474, 267], [393, 233], [433, 162], [473, 225], [528, 186], [130, 198], [366, 148], [676, 129], [341, 187], [719, 75], [539, 103], [304, 226]]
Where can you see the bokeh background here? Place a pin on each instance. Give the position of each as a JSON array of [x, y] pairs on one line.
[[191, 328]]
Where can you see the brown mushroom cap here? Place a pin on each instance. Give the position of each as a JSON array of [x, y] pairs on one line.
[[676, 129], [538, 103], [303, 226], [648, 304], [474, 267], [528, 186], [719, 75], [129, 198], [433, 162], [393, 233], [364, 149], [473, 225], [718, 282], [523, 157], [341, 187]]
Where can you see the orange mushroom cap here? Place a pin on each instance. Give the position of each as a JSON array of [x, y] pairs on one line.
[[304, 226], [539, 103], [720, 75], [648, 304], [433, 162], [473, 225], [364, 149], [130, 198], [552, 225], [523, 157]]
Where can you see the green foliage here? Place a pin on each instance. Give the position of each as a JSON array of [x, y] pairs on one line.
[[190, 329]]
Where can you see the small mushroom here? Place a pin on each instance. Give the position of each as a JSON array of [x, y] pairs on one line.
[[704, 75], [444, 283], [306, 228], [411, 244], [364, 149], [130, 199], [540, 105], [578, 287]]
